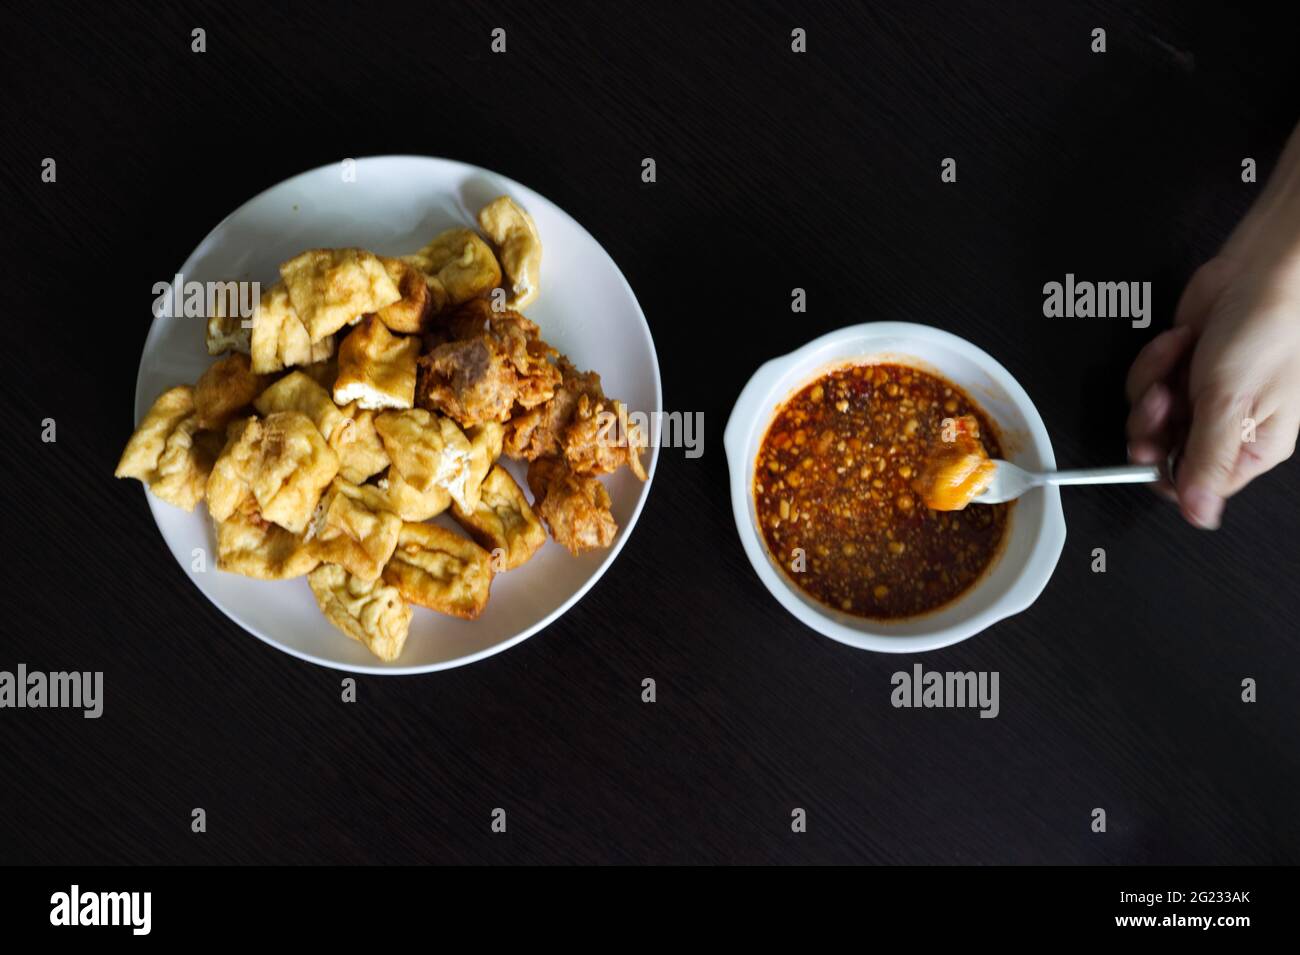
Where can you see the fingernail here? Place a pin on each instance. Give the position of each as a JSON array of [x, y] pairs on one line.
[[1203, 508]]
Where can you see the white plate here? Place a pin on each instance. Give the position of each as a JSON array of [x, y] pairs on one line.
[[1037, 525], [397, 203]]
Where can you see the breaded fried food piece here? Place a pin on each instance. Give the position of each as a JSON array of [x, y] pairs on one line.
[[226, 332], [592, 433], [458, 265], [226, 388], [600, 439], [248, 544], [354, 529], [408, 503], [489, 363], [518, 247], [279, 338], [575, 507], [539, 431], [331, 288], [361, 453], [370, 612], [409, 314], [281, 461], [376, 368], [503, 522], [436, 568], [164, 454], [429, 451], [296, 391]]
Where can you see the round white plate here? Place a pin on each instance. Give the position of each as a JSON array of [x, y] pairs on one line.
[[395, 205]]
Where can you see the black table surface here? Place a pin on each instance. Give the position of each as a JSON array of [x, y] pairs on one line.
[[775, 170]]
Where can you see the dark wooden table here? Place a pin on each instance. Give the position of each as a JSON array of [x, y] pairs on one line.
[[775, 170]]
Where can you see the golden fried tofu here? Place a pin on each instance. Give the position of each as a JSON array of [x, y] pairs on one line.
[[429, 451], [460, 265], [296, 391], [226, 388], [227, 332], [490, 435], [957, 468], [228, 484], [436, 568], [518, 246], [376, 368], [503, 521], [281, 461], [575, 507], [408, 503], [361, 453], [279, 338], [140, 458], [181, 478], [331, 288], [248, 544], [370, 612], [354, 529], [408, 314], [164, 454]]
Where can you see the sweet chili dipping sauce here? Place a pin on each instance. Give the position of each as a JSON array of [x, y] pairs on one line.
[[834, 489]]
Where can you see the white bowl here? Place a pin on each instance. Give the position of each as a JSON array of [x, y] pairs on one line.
[[1036, 532], [395, 204]]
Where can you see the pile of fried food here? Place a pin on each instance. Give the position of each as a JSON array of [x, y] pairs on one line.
[[372, 394]]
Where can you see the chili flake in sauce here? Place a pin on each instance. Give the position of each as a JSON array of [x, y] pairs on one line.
[[834, 494]]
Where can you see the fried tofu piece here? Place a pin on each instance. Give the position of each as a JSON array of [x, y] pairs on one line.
[[354, 528], [409, 314], [331, 288], [361, 453], [282, 461], [279, 338], [226, 388], [436, 568], [957, 468], [296, 391], [376, 368], [488, 363], [485, 441], [408, 503], [518, 247], [248, 544], [140, 457], [181, 478], [503, 523], [459, 266], [227, 332], [370, 612], [429, 451], [164, 454], [575, 507]]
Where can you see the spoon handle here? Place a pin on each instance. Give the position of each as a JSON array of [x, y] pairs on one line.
[[1124, 474]]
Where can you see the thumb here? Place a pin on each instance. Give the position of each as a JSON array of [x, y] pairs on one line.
[[1205, 473]]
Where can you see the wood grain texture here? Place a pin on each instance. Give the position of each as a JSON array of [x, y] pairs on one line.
[[775, 170]]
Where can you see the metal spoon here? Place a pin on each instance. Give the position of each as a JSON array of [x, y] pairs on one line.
[[1009, 481]]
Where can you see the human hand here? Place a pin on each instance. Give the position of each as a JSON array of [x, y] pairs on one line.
[[1226, 377]]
